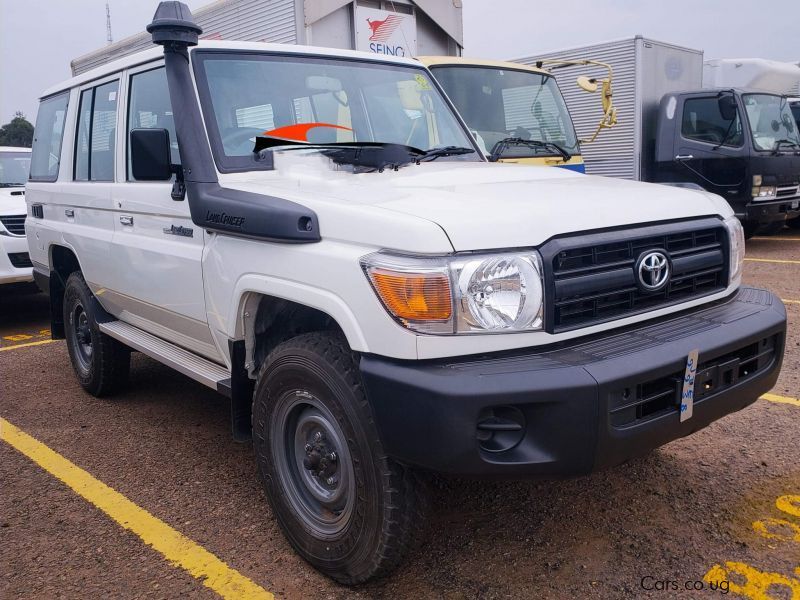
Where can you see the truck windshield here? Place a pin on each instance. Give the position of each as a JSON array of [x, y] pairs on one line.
[[498, 104], [14, 168], [321, 101], [771, 121]]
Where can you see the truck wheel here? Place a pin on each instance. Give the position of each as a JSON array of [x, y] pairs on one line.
[[100, 362], [750, 228], [347, 508], [772, 228]]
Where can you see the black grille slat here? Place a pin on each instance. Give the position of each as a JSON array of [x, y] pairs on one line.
[[20, 260], [593, 283], [15, 224]]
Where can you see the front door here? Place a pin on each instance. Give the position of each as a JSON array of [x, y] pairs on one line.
[[157, 250], [711, 149]]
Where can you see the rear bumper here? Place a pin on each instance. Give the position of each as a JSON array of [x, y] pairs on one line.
[[14, 259], [569, 410]]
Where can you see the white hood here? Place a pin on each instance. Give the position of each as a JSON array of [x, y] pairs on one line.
[[479, 206], [12, 201]]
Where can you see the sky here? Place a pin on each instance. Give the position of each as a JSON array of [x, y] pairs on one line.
[[38, 38]]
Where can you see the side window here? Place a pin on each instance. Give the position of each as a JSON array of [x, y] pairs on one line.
[[47, 137], [95, 137], [149, 108], [703, 121]]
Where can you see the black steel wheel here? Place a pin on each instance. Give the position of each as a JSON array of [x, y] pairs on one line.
[[346, 507], [100, 362]]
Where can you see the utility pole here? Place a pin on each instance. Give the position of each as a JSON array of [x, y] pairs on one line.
[[109, 38]]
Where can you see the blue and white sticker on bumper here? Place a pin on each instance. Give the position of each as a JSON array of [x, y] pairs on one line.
[[687, 393]]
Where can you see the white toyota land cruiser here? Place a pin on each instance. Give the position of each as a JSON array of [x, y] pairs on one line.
[[15, 265], [314, 233]]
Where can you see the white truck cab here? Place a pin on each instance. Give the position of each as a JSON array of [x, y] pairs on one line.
[[314, 233], [15, 264]]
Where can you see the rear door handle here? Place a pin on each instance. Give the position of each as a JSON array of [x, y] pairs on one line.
[[126, 220], [684, 157], [69, 212]]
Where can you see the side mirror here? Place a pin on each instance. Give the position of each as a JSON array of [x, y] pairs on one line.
[[727, 107], [587, 84], [150, 154]]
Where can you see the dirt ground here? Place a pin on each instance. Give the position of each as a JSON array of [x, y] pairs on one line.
[[652, 527]]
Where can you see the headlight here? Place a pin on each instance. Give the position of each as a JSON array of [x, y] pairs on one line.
[[488, 293], [736, 236]]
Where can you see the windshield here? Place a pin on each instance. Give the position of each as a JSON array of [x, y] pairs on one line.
[[320, 101], [502, 103], [14, 167], [771, 121]]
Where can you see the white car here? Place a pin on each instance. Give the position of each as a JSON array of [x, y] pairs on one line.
[[315, 235], [15, 264]]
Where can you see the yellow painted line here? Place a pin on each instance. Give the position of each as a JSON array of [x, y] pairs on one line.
[[15, 346], [179, 550], [787, 301], [781, 399], [778, 239], [770, 260]]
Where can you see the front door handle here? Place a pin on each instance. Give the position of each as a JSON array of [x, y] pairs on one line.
[[68, 212], [126, 220], [684, 157]]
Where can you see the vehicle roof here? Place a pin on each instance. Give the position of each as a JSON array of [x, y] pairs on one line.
[[430, 61], [157, 52], [14, 149], [738, 90]]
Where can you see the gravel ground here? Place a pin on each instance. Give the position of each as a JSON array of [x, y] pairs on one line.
[[165, 444]]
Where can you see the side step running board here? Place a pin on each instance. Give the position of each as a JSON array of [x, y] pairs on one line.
[[206, 372]]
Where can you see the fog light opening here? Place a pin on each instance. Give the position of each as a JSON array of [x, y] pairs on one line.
[[500, 428]]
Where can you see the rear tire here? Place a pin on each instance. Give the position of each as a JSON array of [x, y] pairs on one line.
[[793, 223], [100, 362], [347, 508]]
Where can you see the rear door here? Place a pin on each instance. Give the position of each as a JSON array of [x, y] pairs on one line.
[[157, 250]]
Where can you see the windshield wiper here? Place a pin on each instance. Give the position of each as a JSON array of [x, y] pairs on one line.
[[434, 153], [11, 184], [368, 155], [510, 142], [779, 143]]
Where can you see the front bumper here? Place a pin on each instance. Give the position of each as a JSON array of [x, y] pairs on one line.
[[569, 410], [14, 259], [766, 212]]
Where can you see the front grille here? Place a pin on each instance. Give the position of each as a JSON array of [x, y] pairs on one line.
[[20, 260], [15, 224], [597, 282], [657, 397], [788, 192]]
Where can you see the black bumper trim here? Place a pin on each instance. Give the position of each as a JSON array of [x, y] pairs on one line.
[[428, 411]]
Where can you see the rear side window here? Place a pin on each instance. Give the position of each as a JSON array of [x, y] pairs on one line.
[[149, 107], [46, 151], [702, 121], [95, 137]]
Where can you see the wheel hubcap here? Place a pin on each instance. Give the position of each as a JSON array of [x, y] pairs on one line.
[[314, 463], [82, 334]]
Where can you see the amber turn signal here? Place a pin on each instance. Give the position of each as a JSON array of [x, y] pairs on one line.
[[413, 296]]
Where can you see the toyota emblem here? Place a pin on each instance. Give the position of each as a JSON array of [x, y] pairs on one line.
[[652, 271]]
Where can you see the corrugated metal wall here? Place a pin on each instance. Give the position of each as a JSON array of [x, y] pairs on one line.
[[249, 20], [613, 153]]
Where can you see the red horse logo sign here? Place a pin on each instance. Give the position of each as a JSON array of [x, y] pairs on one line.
[[383, 30]]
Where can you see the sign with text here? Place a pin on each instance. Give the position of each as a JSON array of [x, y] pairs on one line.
[[385, 32]]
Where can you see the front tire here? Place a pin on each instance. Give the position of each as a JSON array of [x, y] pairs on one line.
[[100, 362], [346, 507]]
